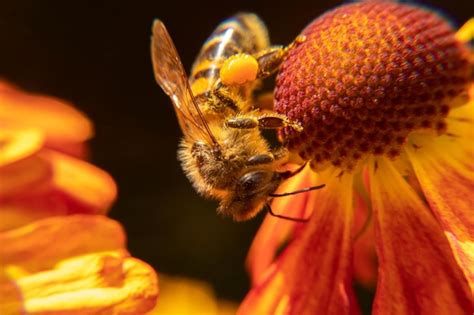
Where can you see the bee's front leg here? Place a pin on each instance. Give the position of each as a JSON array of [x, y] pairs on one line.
[[270, 120]]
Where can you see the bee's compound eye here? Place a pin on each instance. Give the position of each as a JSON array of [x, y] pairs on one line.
[[253, 182], [239, 69]]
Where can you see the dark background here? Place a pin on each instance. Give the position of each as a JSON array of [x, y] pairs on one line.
[[96, 55]]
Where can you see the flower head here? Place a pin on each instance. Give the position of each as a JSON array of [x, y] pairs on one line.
[[384, 92], [366, 77]]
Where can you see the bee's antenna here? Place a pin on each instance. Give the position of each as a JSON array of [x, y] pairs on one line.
[[298, 191], [288, 174], [284, 216], [288, 194]]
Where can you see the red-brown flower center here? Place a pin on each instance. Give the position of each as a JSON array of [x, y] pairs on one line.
[[366, 76]]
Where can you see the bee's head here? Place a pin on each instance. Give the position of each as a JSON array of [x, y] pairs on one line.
[[249, 194]]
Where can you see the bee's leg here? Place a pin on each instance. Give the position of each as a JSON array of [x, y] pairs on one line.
[[269, 60], [270, 120], [274, 120], [242, 122], [279, 155], [243, 68], [261, 159]]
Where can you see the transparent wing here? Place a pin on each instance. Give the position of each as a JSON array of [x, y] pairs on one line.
[[170, 75]]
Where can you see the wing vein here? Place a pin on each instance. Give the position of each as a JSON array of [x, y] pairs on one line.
[[171, 76]]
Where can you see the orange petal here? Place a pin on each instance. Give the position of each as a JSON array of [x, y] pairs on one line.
[[417, 273], [364, 258], [466, 32], [61, 123], [20, 168], [11, 300], [24, 175], [91, 284], [84, 182], [312, 276], [76, 149], [275, 231], [460, 124], [17, 144], [446, 174], [40, 245], [74, 265], [74, 187]]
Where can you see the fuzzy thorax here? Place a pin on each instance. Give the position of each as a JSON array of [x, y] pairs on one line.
[[226, 174]]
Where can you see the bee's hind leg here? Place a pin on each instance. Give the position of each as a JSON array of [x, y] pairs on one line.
[[243, 68], [270, 120], [274, 120]]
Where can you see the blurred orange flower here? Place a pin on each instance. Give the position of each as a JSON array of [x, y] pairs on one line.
[[420, 189], [64, 128], [58, 253], [180, 296], [74, 264], [38, 182]]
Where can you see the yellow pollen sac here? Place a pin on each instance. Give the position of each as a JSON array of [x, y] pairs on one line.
[[239, 69]]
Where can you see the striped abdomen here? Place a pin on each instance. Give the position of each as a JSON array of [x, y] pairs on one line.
[[242, 33]]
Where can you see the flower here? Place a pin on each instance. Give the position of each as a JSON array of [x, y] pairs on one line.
[[180, 295], [90, 272], [38, 182], [65, 129], [384, 91], [59, 253]]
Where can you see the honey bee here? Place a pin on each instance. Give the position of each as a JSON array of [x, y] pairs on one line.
[[223, 152]]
